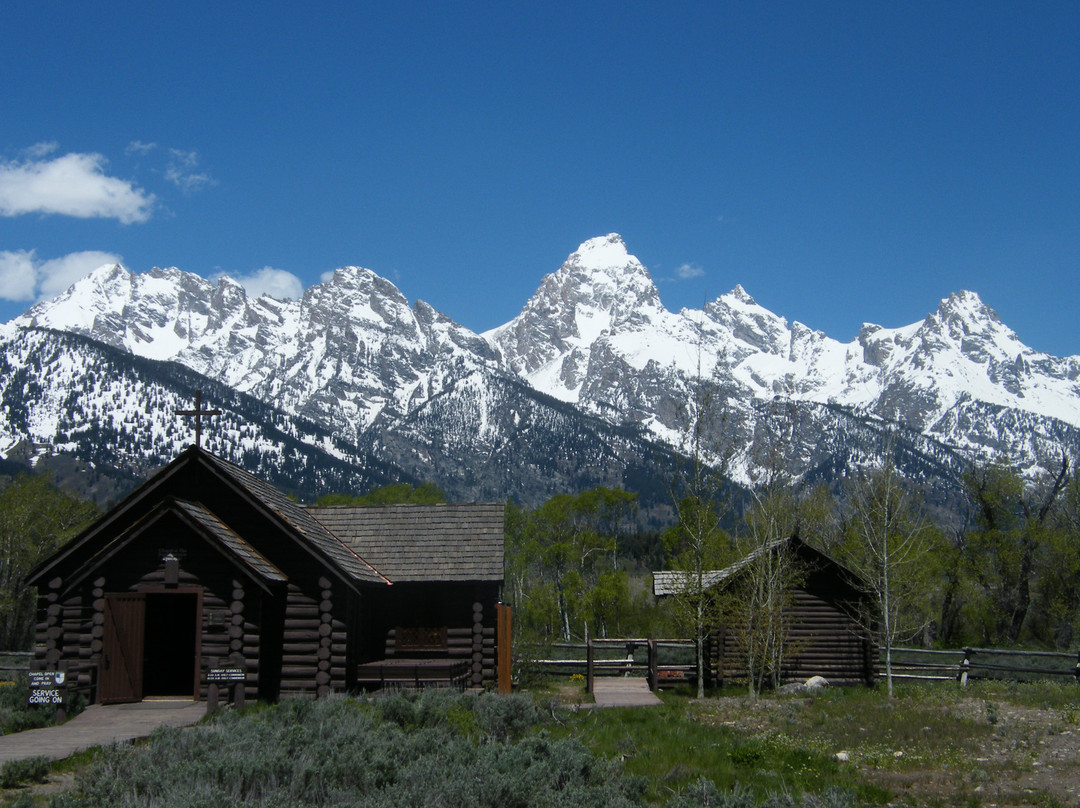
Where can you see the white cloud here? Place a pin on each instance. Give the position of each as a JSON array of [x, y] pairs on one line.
[[71, 185], [688, 271], [43, 149], [276, 283], [181, 171], [58, 274], [18, 275], [23, 277], [138, 147]]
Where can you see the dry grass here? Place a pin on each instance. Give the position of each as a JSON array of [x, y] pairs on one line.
[[989, 744]]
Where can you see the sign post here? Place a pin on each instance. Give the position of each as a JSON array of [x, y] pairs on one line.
[[46, 687], [228, 675]]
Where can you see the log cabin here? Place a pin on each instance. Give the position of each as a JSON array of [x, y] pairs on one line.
[[206, 573], [825, 613]]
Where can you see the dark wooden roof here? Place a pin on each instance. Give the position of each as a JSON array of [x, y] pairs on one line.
[[842, 584], [376, 544], [228, 537], [422, 542], [672, 582], [226, 540], [292, 518], [297, 517]]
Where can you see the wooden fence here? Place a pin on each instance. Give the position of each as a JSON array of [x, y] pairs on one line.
[[673, 661], [658, 660], [14, 664], [965, 664]]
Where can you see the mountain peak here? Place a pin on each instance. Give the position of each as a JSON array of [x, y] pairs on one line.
[[350, 277], [965, 305], [602, 252], [106, 271], [742, 295], [964, 315], [599, 289], [602, 275]]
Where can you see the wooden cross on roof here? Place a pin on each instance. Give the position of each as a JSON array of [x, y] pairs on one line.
[[198, 414]]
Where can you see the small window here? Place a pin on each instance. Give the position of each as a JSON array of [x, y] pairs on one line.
[[414, 638]]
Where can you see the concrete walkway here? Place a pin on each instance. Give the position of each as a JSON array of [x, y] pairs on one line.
[[100, 725], [620, 692]]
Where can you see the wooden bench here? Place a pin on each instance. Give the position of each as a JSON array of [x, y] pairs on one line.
[[417, 657], [413, 673]]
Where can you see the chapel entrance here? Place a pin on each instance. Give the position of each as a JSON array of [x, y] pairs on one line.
[[150, 645], [170, 652]]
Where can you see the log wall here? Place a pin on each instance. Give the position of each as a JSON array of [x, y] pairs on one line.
[[823, 641], [466, 611], [315, 640], [70, 629]]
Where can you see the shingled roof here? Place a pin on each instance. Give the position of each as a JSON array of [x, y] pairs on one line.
[[229, 539], [412, 543], [300, 520], [674, 582]]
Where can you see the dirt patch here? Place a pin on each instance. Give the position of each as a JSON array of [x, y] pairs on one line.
[[56, 784], [960, 750], [1030, 753]]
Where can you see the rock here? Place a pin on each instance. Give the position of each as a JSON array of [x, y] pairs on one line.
[[842, 757]]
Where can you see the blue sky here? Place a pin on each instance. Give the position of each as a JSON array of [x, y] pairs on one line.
[[844, 162]]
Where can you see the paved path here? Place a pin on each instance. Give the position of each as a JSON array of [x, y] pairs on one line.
[[100, 725], [623, 692]]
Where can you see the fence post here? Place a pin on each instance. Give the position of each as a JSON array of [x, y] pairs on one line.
[[61, 709], [212, 690], [965, 667], [503, 647], [590, 674], [654, 665]]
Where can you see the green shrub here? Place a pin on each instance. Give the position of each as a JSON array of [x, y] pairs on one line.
[[406, 749], [505, 717], [705, 794], [16, 714], [19, 772], [24, 800]]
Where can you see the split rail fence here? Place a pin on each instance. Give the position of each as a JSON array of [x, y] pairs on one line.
[[14, 664], [659, 661], [967, 664], [673, 661]]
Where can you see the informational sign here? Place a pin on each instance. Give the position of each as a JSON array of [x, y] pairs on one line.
[[229, 674], [45, 687]]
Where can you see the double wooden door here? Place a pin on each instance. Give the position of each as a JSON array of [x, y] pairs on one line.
[[150, 645], [121, 675]]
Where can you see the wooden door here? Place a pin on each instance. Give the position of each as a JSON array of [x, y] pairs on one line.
[[121, 674]]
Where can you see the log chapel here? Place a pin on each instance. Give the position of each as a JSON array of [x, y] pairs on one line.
[[207, 572]]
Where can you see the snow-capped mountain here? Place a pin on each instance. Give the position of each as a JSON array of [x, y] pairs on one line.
[[595, 334], [350, 351], [586, 386]]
